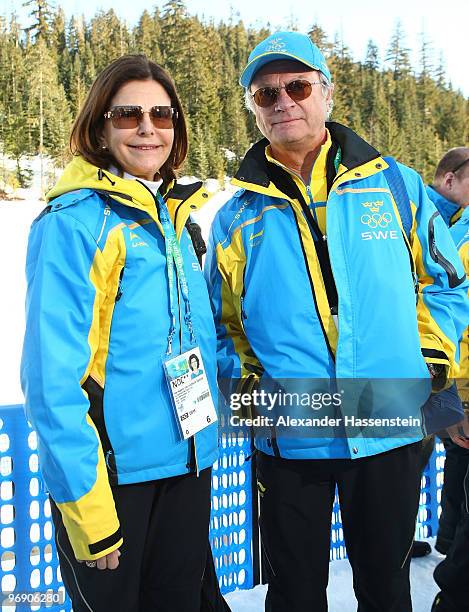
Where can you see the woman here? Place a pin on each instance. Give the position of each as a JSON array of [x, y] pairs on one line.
[[194, 365], [113, 296]]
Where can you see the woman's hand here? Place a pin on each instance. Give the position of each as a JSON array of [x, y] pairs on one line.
[[109, 561]]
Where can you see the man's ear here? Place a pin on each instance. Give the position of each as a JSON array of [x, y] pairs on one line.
[[448, 180]]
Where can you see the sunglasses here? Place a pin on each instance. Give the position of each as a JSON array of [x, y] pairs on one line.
[[459, 166], [128, 117], [298, 90]]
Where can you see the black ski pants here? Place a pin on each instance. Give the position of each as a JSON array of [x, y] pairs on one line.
[[452, 494], [163, 557], [379, 498], [452, 574]]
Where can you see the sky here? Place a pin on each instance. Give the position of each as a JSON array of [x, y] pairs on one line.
[[444, 23]]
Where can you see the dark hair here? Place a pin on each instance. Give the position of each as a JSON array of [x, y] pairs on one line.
[[194, 356], [451, 160], [89, 124]]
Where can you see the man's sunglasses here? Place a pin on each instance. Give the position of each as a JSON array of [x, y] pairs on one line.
[[459, 166], [128, 117], [298, 90]]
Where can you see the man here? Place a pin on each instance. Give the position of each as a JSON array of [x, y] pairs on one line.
[[300, 299], [450, 189], [450, 194]]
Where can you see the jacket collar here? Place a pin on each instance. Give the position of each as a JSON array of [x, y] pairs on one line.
[[257, 174], [450, 211], [181, 199]]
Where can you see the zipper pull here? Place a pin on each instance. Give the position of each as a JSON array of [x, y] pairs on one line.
[[243, 314]]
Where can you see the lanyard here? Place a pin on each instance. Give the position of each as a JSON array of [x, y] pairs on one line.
[[174, 259], [337, 159]]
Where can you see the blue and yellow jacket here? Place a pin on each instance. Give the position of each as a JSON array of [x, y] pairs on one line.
[[458, 221], [450, 211], [273, 300], [96, 337], [460, 234]]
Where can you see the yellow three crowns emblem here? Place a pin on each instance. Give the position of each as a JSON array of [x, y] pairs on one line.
[[373, 206]]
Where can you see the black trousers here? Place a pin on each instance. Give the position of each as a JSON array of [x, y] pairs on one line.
[[452, 494], [379, 497], [452, 574], [165, 529]]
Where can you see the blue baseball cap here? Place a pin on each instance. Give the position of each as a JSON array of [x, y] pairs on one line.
[[284, 45]]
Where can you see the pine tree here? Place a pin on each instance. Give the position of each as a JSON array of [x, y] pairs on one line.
[[345, 73], [108, 37], [371, 62], [319, 38], [16, 129], [146, 36], [48, 110], [397, 55], [42, 14]]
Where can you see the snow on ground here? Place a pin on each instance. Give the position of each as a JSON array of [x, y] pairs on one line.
[[340, 592], [15, 219]]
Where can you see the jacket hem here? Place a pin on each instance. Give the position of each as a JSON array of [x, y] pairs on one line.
[[166, 471], [373, 447]]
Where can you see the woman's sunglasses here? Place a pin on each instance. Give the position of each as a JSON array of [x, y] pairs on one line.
[[298, 90], [128, 117]]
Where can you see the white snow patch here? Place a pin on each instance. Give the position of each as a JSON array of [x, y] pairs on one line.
[[15, 220], [340, 591]]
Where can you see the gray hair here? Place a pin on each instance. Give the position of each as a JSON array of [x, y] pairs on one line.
[[326, 86]]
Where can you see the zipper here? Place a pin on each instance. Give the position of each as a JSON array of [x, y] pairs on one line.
[[413, 269], [326, 339], [439, 258], [311, 206], [195, 457], [243, 312]]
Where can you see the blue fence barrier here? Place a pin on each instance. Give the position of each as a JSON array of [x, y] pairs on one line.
[[27, 548]]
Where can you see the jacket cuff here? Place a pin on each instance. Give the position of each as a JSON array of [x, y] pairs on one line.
[[88, 546]]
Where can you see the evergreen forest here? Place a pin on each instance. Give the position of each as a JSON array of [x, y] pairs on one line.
[[47, 66]]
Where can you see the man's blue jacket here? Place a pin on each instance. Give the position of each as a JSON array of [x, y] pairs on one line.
[[400, 305]]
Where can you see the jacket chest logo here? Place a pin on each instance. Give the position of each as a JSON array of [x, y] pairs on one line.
[[377, 220], [136, 240], [255, 239]]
